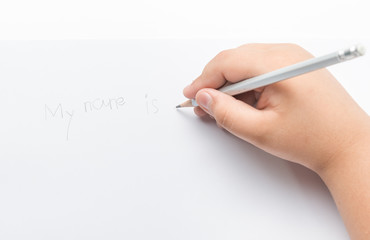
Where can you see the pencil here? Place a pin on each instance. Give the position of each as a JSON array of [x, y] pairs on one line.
[[287, 72]]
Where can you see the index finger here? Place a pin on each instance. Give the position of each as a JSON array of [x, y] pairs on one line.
[[230, 65]]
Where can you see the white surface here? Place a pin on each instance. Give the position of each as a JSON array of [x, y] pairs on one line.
[[45, 19], [140, 169], [80, 189]]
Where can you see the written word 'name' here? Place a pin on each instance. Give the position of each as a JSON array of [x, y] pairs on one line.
[[96, 105], [99, 104]]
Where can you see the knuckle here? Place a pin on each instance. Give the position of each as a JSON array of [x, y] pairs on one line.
[[249, 46], [215, 63], [223, 54], [291, 45], [292, 48], [284, 54]]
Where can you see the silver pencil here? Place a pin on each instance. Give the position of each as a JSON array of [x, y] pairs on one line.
[[288, 72]]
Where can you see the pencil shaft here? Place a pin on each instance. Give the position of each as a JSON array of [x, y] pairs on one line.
[[291, 71], [294, 70], [281, 74]]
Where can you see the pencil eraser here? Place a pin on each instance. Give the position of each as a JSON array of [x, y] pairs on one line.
[[360, 49]]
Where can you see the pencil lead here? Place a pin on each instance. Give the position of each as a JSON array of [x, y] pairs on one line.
[[185, 104]]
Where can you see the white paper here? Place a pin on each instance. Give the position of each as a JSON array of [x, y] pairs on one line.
[[92, 147]]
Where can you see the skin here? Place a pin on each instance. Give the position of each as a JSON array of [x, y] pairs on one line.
[[309, 119]]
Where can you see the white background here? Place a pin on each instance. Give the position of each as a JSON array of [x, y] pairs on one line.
[[122, 173], [48, 19], [284, 20]]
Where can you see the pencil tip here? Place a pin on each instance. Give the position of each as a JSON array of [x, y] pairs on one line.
[[178, 106]]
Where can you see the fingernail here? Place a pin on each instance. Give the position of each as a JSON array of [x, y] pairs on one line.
[[205, 101]]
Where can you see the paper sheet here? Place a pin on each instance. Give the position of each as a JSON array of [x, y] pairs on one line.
[[92, 147]]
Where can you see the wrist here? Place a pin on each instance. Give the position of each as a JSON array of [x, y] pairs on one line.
[[348, 156], [347, 177]]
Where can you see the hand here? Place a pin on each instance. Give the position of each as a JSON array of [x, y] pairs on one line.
[[309, 119]]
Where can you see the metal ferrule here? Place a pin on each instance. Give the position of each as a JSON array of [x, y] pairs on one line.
[[351, 52]]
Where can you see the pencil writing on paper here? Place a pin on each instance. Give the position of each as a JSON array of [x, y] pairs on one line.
[[97, 105]]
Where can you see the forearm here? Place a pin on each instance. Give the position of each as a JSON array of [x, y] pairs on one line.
[[349, 183]]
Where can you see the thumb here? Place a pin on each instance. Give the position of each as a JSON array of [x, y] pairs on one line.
[[235, 116]]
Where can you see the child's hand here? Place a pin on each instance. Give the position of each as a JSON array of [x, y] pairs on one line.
[[309, 119]]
